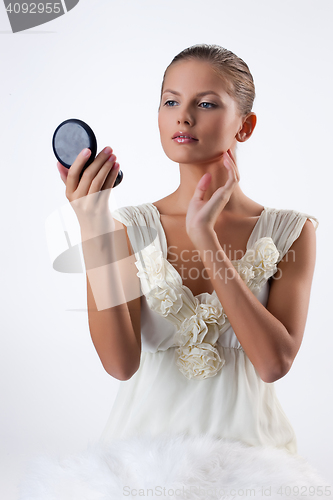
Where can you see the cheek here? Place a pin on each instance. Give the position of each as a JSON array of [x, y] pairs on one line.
[[163, 126], [161, 122], [220, 130]]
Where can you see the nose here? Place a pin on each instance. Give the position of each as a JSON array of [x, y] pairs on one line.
[[184, 121], [185, 116]]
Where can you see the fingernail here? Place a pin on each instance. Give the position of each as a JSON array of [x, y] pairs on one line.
[[107, 150], [112, 158], [86, 152]]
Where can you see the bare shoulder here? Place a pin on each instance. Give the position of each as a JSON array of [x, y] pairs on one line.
[[303, 250], [167, 205]]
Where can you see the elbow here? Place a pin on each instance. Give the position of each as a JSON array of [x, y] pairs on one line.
[[124, 374], [275, 372], [127, 375]]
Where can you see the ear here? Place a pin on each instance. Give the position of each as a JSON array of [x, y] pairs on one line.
[[248, 126]]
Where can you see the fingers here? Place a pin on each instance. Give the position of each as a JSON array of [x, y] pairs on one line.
[[73, 176], [229, 165], [230, 156], [82, 183], [111, 177], [105, 172], [202, 186], [232, 177]]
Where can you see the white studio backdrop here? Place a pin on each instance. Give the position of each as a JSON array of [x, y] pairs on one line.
[[103, 62]]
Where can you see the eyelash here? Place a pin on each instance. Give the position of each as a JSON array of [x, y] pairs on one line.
[[204, 102]]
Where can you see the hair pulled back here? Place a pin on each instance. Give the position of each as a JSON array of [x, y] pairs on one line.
[[232, 69]]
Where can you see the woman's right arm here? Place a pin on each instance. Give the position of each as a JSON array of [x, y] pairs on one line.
[[113, 288]]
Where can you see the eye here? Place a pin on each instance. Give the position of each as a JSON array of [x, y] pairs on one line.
[[209, 103], [170, 104], [166, 104]]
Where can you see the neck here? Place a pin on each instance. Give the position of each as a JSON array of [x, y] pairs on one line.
[[190, 174]]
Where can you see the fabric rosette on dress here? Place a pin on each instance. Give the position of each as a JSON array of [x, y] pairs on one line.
[[200, 320], [198, 355], [258, 264]]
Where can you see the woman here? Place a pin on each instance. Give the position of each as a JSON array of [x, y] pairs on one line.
[[206, 313]]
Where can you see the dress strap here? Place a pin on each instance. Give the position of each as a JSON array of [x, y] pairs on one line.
[[283, 225], [142, 226]]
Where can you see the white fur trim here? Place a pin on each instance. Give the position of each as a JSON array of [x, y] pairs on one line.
[[190, 467]]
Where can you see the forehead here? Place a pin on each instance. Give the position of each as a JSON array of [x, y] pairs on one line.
[[194, 76]]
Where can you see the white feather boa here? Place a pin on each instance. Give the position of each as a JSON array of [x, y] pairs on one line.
[[174, 467]]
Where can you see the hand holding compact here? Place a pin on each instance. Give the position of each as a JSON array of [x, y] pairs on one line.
[[89, 193], [70, 138], [88, 179]]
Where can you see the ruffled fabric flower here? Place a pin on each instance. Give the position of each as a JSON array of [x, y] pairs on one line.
[[244, 269], [153, 269], [197, 341], [191, 331], [165, 299], [201, 319], [264, 254], [197, 335], [209, 308], [258, 264], [199, 361], [163, 296]]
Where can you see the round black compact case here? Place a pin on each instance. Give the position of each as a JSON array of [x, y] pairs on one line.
[[69, 138]]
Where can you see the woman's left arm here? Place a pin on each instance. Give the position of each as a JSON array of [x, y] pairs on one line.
[[270, 336]]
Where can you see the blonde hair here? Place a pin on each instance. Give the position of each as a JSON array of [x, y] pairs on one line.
[[231, 68]]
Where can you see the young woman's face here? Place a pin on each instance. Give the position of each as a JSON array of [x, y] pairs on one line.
[[213, 119]]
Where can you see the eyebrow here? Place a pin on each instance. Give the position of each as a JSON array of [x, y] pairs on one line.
[[200, 94]]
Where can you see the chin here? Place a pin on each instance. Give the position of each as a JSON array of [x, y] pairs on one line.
[[181, 156]]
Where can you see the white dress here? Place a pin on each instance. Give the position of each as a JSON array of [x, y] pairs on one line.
[[196, 420]]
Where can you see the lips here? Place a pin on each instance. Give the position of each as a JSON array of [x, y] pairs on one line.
[[184, 135]]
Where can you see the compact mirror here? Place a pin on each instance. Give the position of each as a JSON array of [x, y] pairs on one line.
[[69, 138]]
